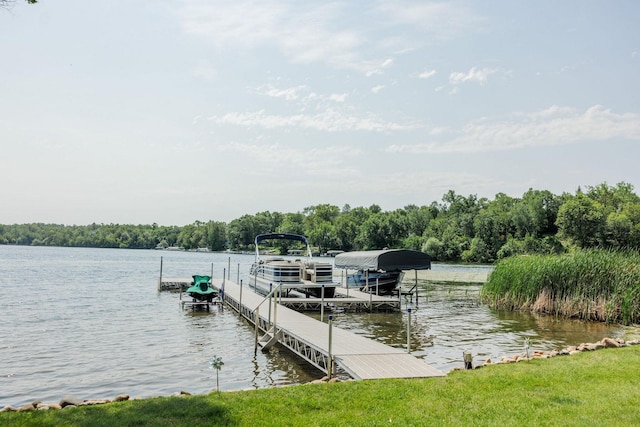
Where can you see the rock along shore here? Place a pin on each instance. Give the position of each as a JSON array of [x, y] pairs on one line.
[[568, 351]]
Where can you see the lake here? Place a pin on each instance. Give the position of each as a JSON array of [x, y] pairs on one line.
[[91, 323]]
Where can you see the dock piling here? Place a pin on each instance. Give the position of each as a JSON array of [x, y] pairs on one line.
[[416, 273], [160, 279], [468, 360], [256, 321], [270, 296], [322, 303], [409, 328], [330, 354]]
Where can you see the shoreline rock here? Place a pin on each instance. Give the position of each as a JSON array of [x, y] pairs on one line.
[[567, 351]]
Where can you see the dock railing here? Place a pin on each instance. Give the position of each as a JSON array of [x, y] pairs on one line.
[[268, 325]]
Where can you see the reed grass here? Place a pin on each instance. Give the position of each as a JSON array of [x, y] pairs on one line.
[[593, 284]]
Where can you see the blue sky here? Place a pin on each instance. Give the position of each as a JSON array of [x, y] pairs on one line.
[[176, 111]]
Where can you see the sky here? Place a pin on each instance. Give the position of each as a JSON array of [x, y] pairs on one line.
[[171, 112]]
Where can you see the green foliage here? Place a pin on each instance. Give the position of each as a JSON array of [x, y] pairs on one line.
[[216, 363], [592, 284], [460, 228], [582, 220], [433, 246]]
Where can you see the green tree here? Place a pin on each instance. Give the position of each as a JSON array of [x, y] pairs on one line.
[[292, 223], [582, 220], [535, 214], [433, 247], [241, 232], [348, 227], [216, 235], [320, 225]]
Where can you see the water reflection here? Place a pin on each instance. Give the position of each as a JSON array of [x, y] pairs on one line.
[[448, 319]]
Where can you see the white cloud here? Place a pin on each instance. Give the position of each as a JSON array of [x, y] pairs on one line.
[[427, 74], [338, 97], [321, 32], [329, 120], [550, 127], [440, 19], [473, 75], [377, 89], [304, 33], [289, 94]]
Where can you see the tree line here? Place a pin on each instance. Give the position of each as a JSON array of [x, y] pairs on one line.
[[458, 228]]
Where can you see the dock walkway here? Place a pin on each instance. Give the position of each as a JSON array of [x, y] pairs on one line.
[[359, 356]]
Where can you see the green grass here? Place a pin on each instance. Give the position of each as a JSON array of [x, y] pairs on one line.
[[595, 388], [588, 284]]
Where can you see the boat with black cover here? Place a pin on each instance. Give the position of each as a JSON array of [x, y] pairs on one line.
[[380, 271]]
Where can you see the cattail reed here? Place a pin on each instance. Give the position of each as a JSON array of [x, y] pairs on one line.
[[591, 284]]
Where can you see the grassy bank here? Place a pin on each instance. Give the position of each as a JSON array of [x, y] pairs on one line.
[[593, 388], [591, 284]]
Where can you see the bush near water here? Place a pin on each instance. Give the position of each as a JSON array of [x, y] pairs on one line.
[[592, 284]]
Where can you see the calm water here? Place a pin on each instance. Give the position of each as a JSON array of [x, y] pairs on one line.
[[90, 323]]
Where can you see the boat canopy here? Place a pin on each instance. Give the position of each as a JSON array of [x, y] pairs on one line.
[[282, 236], [386, 260]]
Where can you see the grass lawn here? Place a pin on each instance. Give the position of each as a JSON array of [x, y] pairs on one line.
[[600, 388]]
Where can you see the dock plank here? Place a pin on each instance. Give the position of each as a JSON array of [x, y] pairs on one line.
[[361, 357]]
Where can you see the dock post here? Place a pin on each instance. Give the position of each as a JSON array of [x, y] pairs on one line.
[[322, 303], [270, 296], [330, 367], [366, 281], [468, 360], [160, 279], [275, 310], [256, 320], [222, 286], [346, 280], [377, 283], [240, 298], [229, 263], [416, 272], [409, 328], [239, 273]]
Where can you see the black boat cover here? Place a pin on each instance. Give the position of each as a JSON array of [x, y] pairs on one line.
[[386, 259]]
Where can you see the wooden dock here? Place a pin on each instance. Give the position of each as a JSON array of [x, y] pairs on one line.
[[174, 284], [345, 300], [359, 356]]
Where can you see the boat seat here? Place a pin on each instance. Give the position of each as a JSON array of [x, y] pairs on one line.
[[204, 286]]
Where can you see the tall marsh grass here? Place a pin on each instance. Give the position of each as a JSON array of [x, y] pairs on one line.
[[589, 284]]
